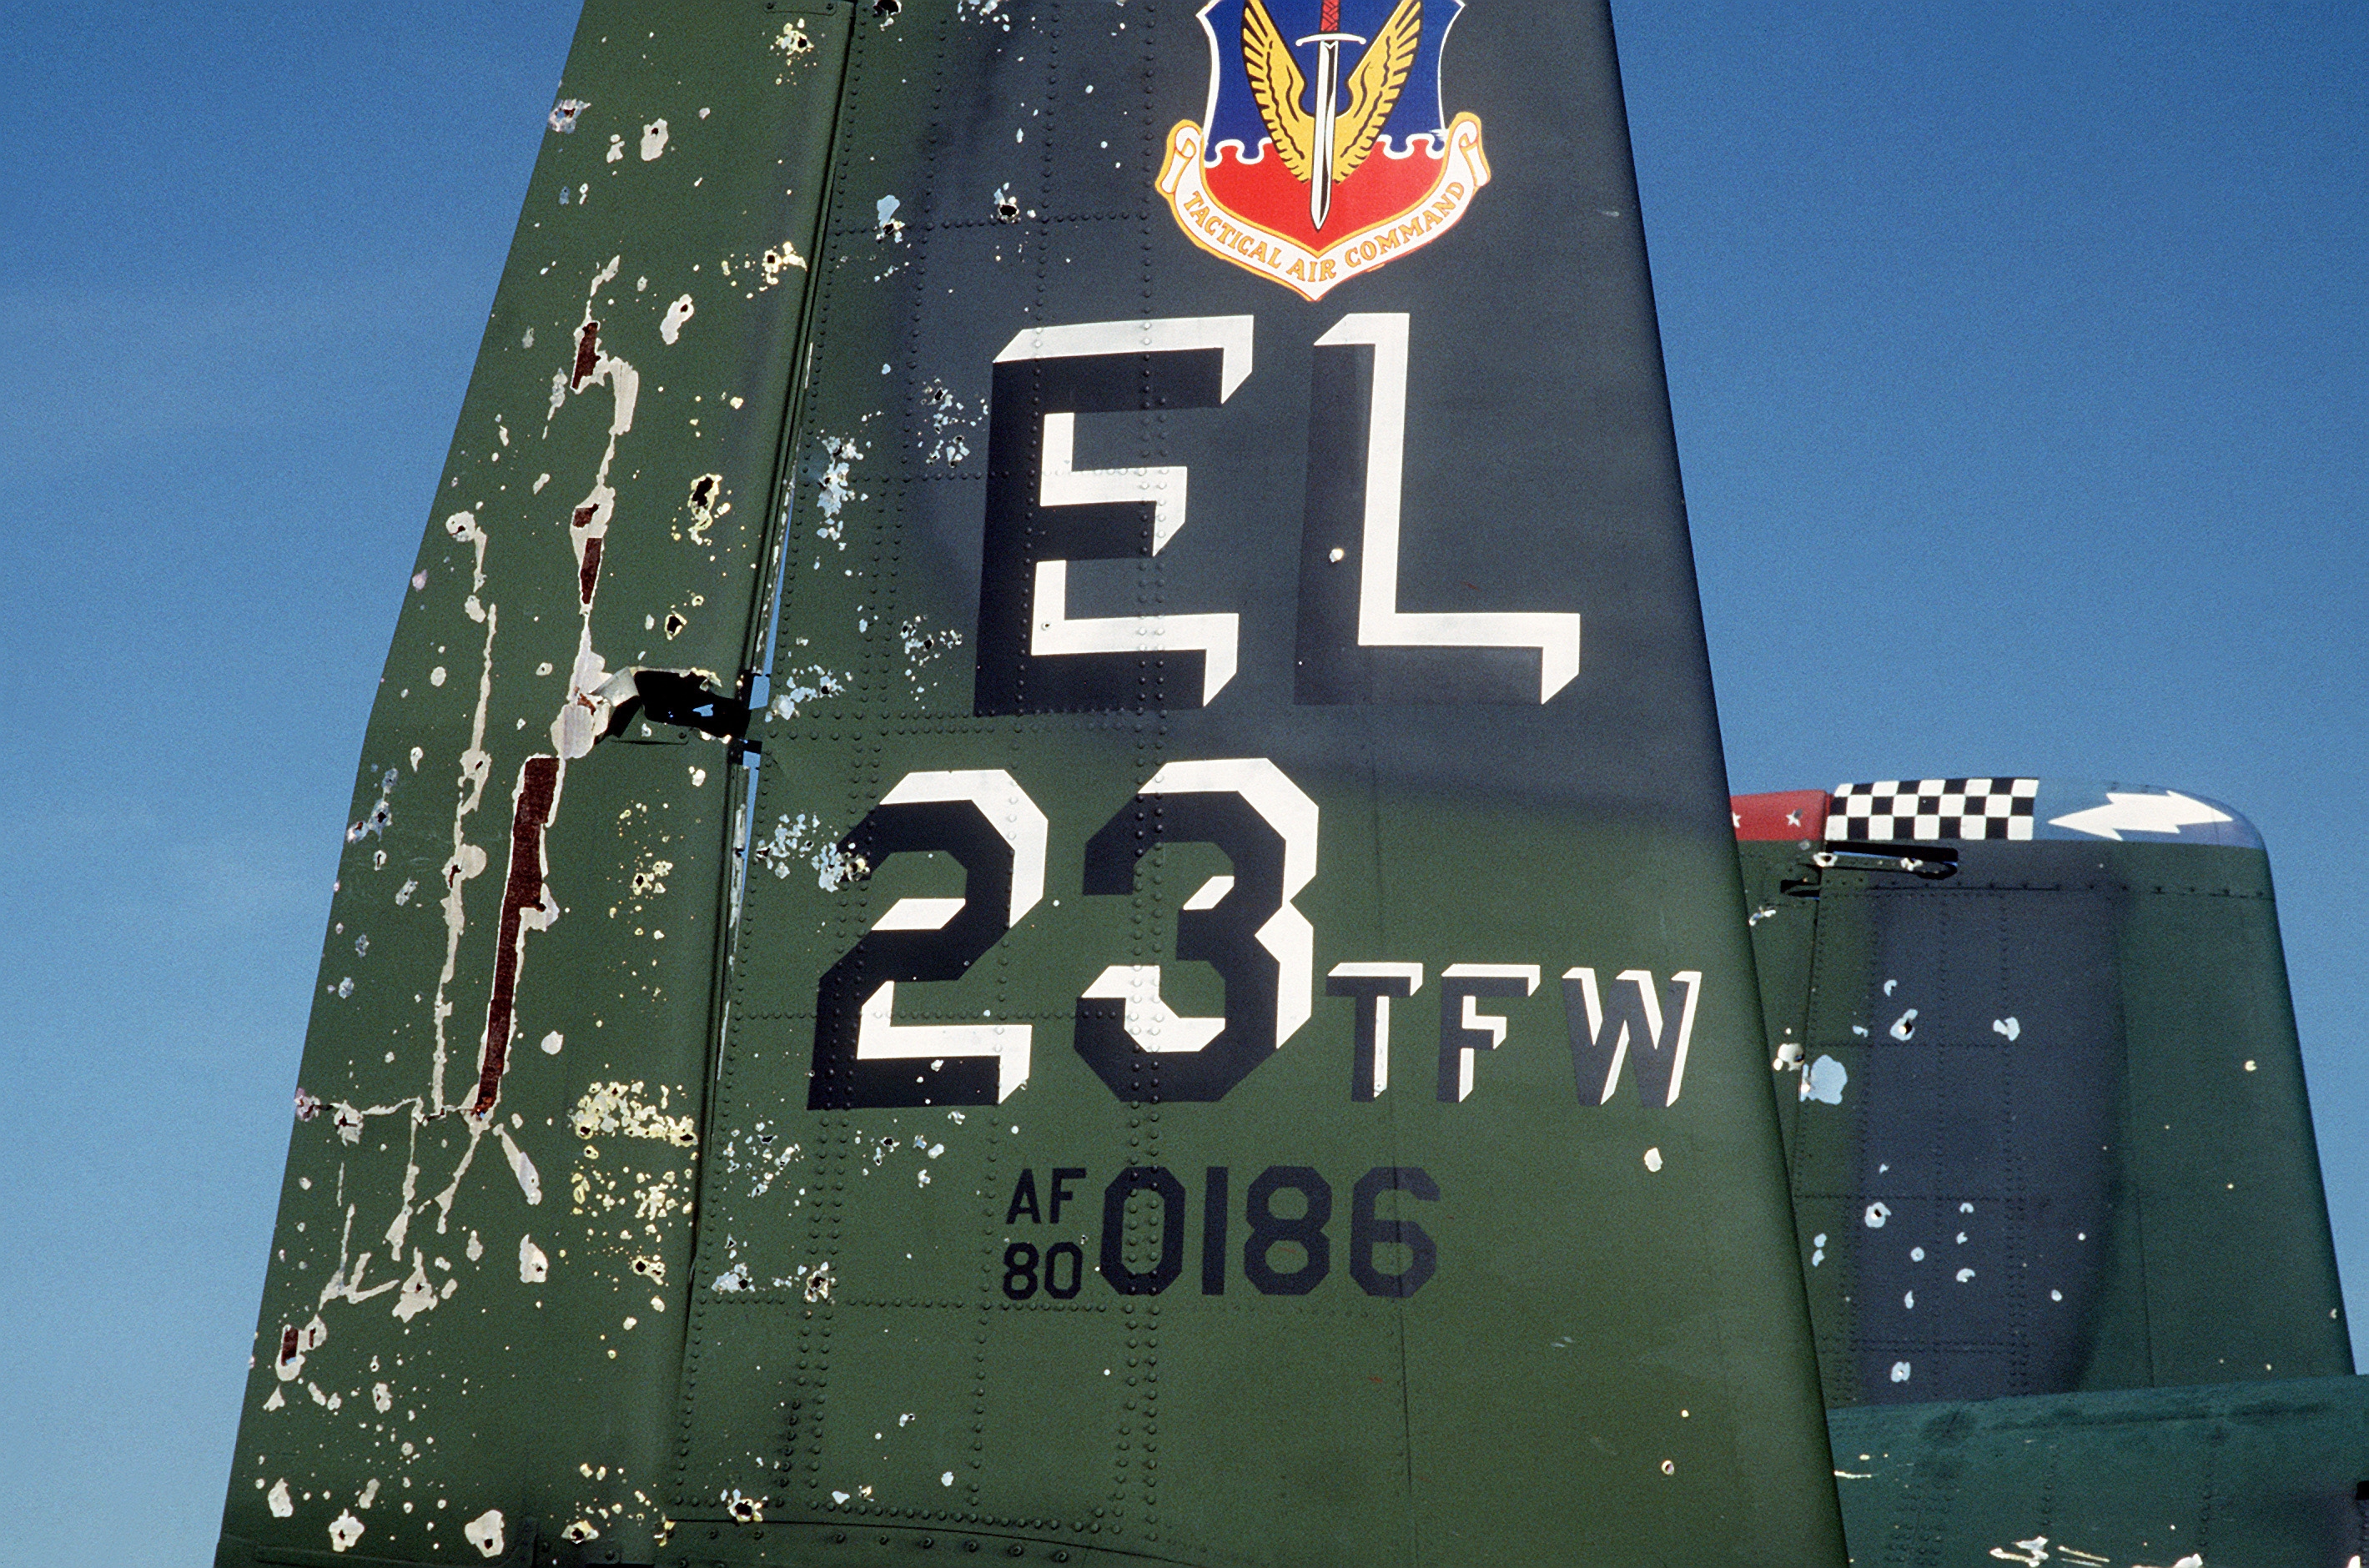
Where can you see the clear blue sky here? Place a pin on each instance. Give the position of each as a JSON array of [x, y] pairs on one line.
[[2021, 382]]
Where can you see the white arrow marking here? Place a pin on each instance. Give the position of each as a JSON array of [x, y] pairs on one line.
[[2164, 813]]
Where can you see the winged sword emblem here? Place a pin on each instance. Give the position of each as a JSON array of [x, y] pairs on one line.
[[1279, 86], [1322, 82]]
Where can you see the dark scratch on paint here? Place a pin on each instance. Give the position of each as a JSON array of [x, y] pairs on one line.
[[538, 788]]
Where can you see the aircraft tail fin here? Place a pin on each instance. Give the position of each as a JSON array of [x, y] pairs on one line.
[[1224, 1033]]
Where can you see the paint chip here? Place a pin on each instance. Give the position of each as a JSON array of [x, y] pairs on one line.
[[1825, 1081], [484, 1533], [1653, 1159]]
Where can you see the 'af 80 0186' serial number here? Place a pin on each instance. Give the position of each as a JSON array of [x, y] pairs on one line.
[[1287, 1249]]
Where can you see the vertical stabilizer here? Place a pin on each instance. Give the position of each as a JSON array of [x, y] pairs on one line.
[[1240, 1043]]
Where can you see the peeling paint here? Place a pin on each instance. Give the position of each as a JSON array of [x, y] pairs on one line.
[[952, 423], [805, 838], [418, 1294], [778, 260], [670, 325], [522, 1168], [654, 140], [376, 820], [296, 1343], [484, 1533], [841, 454], [564, 115], [809, 684], [761, 1157], [625, 1109], [707, 503], [1824, 1080]]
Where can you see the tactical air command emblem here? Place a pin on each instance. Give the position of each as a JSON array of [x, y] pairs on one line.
[[1325, 151]]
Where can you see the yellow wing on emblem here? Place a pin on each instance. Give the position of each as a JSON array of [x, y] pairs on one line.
[[1374, 88], [1278, 85]]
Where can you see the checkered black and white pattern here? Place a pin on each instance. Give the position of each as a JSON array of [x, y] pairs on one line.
[[1920, 810]]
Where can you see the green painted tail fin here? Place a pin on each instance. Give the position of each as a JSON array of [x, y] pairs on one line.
[[1225, 1032]]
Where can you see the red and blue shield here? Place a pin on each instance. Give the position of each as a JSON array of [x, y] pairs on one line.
[[1326, 150]]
